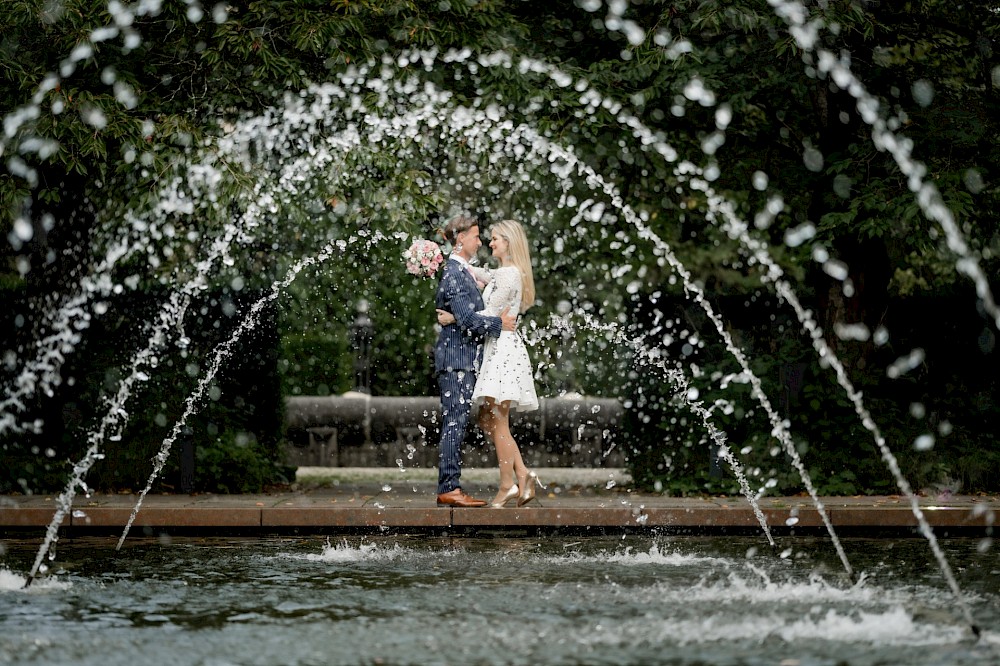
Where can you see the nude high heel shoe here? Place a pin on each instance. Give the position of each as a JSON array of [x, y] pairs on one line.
[[528, 492], [500, 501]]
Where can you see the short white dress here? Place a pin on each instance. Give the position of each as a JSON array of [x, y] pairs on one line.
[[505, 372]]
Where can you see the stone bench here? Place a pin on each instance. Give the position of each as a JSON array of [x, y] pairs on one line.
[[358, 430]]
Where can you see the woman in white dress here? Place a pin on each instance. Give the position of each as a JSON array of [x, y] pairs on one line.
[[505, 380]]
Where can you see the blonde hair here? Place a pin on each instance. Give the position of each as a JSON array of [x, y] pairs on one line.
[[520, 256]]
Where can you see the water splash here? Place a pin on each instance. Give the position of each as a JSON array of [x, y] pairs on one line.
[[656, 555], [805, 31], [15, 140], [927, 195], [345, 553], [682, 389], [73, 314], [11, 581], [695, 293], [222, 353], [167, 322], [738, 228]]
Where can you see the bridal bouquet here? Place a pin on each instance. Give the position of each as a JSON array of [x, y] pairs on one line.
[[423, 258]]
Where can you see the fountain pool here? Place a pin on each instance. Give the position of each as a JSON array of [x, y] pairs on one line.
[[419, 600]]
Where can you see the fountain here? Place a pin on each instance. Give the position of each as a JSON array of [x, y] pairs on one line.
[[313, 145]]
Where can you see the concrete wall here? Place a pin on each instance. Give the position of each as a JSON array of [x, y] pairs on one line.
[[357, 430]]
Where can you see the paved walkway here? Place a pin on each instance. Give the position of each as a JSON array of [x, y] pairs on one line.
[[359, 499]]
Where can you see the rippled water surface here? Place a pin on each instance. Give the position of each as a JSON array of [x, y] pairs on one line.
[[419, 600]]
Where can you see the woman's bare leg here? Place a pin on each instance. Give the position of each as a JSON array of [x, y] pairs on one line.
[[494, 419], [486, 420]]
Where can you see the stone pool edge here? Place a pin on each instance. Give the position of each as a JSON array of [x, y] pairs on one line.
[[343, 509]]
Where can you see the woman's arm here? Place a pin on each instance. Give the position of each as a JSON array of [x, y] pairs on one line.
[[483, 276]]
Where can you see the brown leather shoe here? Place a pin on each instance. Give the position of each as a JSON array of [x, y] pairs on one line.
[[458, 498]]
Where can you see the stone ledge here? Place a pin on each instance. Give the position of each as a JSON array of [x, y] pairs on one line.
[[158, 516], [545, 517], [354, 517], [401, 507], [29, 517]]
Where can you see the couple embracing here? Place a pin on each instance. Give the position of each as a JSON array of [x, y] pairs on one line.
[[480, 359]]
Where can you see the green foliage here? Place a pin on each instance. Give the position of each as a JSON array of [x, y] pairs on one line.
[[235, 463], [243, 399], [670, 448]]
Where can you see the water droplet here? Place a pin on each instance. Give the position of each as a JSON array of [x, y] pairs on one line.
[[800, 234], [813, 159], [835, 269], [220, 14], [905, 364], [93, 116], [923, 92], [23, 229], [842, 185]]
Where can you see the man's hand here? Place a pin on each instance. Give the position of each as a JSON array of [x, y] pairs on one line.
[[508, 320], [445, 318]]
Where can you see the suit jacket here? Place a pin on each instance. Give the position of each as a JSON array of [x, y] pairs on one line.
[[458, 345]]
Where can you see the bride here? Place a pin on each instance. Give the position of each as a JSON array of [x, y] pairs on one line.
[[505, 380]]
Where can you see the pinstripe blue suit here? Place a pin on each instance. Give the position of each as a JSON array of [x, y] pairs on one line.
[[455, 361]]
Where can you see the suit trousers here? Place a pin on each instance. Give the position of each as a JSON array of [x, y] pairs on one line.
[[456, 403]]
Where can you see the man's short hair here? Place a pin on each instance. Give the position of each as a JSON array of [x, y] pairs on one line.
[[458, 224]]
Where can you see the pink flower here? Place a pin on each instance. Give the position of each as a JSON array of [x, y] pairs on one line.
[[423, 258]]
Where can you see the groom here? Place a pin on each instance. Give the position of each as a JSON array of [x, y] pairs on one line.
[[455, 354]]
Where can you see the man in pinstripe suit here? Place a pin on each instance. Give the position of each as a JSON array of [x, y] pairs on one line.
[[456, 354]]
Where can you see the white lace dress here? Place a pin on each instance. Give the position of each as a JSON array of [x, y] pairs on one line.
[[506, 372]]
